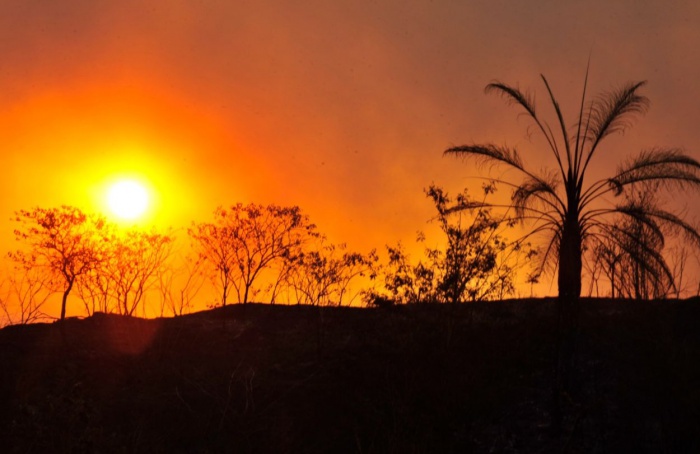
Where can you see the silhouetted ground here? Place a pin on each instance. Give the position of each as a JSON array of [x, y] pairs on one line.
[[287, 379]]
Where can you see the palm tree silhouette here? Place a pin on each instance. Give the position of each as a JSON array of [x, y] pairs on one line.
[[563, 203]]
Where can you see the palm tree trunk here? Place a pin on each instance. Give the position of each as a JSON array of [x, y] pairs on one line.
[[570, 262], [569, 280]]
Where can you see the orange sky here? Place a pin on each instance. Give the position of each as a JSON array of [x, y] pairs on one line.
[[342, 107]]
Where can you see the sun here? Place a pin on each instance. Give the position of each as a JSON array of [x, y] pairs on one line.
[[128, 199]]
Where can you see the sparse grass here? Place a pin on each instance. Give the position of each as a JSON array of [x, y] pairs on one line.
[[424, 378]]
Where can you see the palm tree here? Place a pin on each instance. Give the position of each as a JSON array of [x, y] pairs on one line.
[[568, 207]]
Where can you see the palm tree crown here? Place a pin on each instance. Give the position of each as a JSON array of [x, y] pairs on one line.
[[563, 203]]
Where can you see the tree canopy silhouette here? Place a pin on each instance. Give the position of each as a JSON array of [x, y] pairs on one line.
[[130, 268], [64, 241], [568, 205], [245, 240]]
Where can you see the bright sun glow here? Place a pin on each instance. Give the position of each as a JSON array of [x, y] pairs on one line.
[[128, 199]]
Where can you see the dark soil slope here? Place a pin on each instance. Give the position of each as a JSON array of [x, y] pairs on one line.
[[280, 379]]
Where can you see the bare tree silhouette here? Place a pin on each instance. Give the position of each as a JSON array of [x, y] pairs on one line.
[[130, 264], [64, 241], [245, 240], [25, 295], [135, 257], [179, 285], [321, 274], [216, 245]]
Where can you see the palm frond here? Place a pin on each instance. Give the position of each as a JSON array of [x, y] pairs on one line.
[[552, 249], [580, 138], [641, 216], [610, 112], [562, 125], [513, 95], [542, 190], [676, 223], [552, 207], [659, 220], [665, 165], [489, 152]]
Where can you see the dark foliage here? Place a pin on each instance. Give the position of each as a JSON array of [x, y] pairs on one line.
[[476, 263]]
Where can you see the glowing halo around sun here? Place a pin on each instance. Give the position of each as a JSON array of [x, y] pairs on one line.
[[128, 200]]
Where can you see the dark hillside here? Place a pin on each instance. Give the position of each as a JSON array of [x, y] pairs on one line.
[[260, 378]]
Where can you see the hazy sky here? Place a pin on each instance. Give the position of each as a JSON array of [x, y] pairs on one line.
[[342, 107]]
